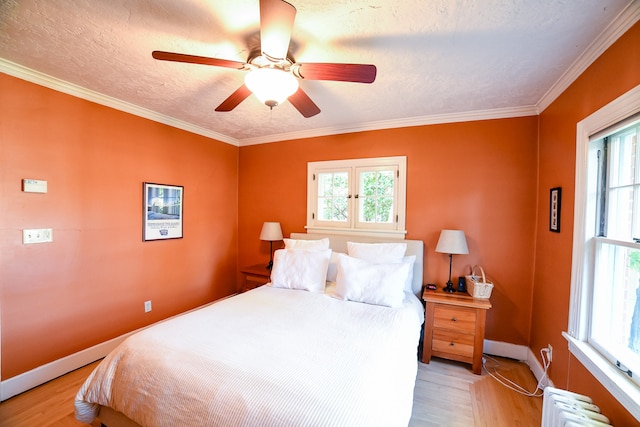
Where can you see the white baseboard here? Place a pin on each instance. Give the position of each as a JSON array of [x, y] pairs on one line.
[[505, 349], [40, 375], [518, 352]]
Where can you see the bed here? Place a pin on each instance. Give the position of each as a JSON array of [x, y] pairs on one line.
[[289, 353]]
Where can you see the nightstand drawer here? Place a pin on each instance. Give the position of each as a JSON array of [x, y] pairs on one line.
[[459, 319], [453, 343]]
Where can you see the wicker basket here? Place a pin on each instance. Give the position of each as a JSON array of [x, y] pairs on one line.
[[479, 286]]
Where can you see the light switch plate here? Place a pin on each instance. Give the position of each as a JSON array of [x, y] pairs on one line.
[[34, 186], [37, 235]]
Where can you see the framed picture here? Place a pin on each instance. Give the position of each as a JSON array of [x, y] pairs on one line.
[[555, 202], [162, 217]]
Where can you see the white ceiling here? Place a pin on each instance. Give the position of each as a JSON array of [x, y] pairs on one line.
[[436, 59]]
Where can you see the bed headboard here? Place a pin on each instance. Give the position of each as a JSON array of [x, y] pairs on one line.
[[338, 243]]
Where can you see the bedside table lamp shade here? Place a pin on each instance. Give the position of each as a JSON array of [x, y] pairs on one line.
[[452, 242], [272, 232]]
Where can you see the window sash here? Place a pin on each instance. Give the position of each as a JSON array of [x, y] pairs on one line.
[[363, 201], [333, 198], [615, 286]]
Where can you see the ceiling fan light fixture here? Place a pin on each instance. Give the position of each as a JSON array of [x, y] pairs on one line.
[[271, 86]]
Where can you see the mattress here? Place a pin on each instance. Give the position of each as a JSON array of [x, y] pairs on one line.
[[267, 357]]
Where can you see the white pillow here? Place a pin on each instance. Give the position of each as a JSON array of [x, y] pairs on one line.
[[383, 253], [300, 269], [408, 284], [311, 245], [363, 281], [377, 252], [332, 271]]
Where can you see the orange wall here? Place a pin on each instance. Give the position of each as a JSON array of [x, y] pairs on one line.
[[477, 176], [89, 284], [613, 74], [490, 178]]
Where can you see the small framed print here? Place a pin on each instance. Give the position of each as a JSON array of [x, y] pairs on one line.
[[163, 206], [555, 202]]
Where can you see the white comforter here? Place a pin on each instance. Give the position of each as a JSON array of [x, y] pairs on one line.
[[268, 357]]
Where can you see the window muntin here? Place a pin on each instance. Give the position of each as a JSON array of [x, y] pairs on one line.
[[358, 196]]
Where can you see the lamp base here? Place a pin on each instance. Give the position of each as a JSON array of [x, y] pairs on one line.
[[449, 287]]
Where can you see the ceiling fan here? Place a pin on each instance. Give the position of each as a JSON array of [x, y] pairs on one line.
[[273, 74]]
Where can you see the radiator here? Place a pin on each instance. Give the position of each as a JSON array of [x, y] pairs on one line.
[[562, 408]]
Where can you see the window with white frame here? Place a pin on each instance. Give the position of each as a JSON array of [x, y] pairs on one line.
[[357, 196], [604, 315], [615, 318]]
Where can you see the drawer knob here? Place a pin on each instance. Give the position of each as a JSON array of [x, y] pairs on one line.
[[454, 319], [452, 344]]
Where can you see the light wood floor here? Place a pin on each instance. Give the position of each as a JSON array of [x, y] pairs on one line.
[[446, 394]]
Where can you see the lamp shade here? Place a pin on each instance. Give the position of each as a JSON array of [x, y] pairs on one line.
[[270, 85], [271, 231], [452, 242]]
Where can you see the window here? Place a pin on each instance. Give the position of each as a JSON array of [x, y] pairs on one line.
[[363, 196], [615, 329], [604, 315]]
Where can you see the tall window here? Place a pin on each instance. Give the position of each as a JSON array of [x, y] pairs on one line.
[[604, 308], [364, 196], [615, 325]]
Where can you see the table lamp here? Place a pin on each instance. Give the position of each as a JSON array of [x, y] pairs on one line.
[[272, 232], [452, 242]]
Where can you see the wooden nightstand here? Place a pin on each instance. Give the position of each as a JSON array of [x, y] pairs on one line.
[[454, 327], [254, 276]]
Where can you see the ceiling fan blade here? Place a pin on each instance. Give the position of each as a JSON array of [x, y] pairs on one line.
[[276, 24], [193, 59], [357, 73], [234, 99], [301, 101]]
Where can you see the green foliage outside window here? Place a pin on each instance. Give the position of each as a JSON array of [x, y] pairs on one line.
[[333, 190], [376, 198]]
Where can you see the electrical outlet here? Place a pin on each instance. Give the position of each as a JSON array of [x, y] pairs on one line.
[[147, 306], [549, 352]]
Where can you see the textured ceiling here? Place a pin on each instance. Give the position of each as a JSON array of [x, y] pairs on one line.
[[434, 58]]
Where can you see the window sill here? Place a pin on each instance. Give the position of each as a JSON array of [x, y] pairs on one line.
[[624, 390], [389, 234]]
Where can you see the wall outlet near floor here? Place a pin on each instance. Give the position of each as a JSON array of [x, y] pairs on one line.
[[549, 350], [147, 306]]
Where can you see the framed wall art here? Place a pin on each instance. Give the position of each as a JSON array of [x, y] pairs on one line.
[[555, 202], [163, 208]]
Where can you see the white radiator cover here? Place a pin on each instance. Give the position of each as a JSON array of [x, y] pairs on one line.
[[562, 408]]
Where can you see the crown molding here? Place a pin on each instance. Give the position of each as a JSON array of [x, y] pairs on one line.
[[468, 116], [620, 25], [623, 22], [42, 79]]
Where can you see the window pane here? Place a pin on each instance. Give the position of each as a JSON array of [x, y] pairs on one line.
[[623, 158], [622, 210], [376, 196], [620, 216], [616, 304], [333, 189]]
